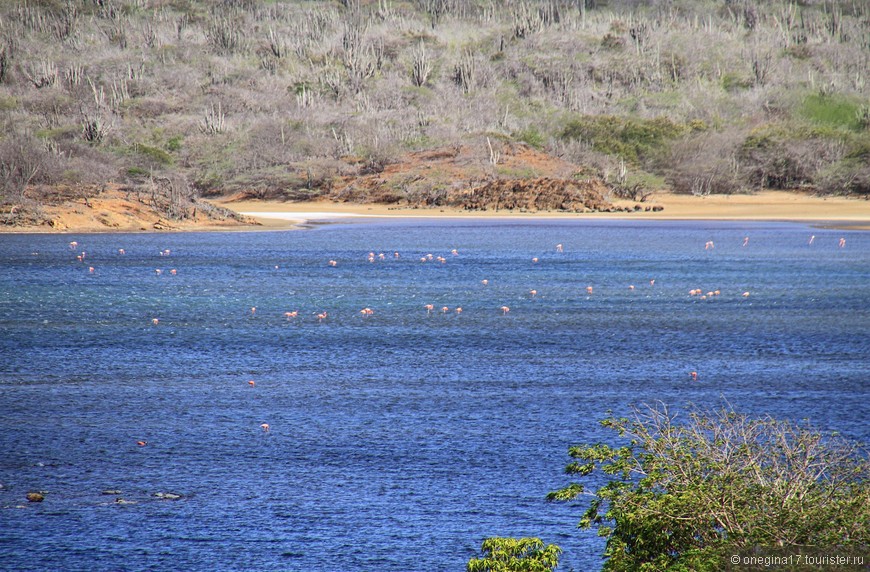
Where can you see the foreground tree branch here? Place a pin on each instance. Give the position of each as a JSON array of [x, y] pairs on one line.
[[684, 495]]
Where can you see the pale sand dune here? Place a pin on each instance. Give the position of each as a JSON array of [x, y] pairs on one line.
[[770, 205]]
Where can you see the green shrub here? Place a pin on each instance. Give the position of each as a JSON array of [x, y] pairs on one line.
[[837, 111], [174, 143], [153, 154], [531, 136], [515, 555], [687, 496], [136, 172], [632, 139]]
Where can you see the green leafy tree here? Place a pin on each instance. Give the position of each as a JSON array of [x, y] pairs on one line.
[[685, 496], [515, 555]]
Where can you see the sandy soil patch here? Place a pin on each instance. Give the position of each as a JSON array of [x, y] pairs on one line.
[[840, 212]]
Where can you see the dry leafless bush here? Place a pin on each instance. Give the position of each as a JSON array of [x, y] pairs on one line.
[[705, 163], [517, 68]]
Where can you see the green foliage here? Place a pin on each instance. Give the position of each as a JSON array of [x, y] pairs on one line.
[[8, 103], [632, 139], [515, 555], [154, 154], [531, 136], [832, 110], [683, 496], [174, 143], [136, 172]]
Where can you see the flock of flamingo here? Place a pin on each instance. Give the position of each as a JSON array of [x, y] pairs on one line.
[[429, 308]]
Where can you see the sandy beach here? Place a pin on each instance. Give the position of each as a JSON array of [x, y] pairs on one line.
[[112, 212], [839, 212]]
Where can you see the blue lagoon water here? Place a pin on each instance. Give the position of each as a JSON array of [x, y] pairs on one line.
[[398, 441]]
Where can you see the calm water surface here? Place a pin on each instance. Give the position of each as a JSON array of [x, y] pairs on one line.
[[399, 440]]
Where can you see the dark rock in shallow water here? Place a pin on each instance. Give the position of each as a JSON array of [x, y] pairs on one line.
[[111, 492], [35, 497]]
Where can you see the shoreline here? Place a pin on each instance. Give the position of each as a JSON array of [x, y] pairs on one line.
[[840, 213], [769, 206]]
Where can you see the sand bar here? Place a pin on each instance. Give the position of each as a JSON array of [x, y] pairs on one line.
[[841, 212]]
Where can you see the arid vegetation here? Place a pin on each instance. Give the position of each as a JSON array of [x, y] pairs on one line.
[[292, 100]]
